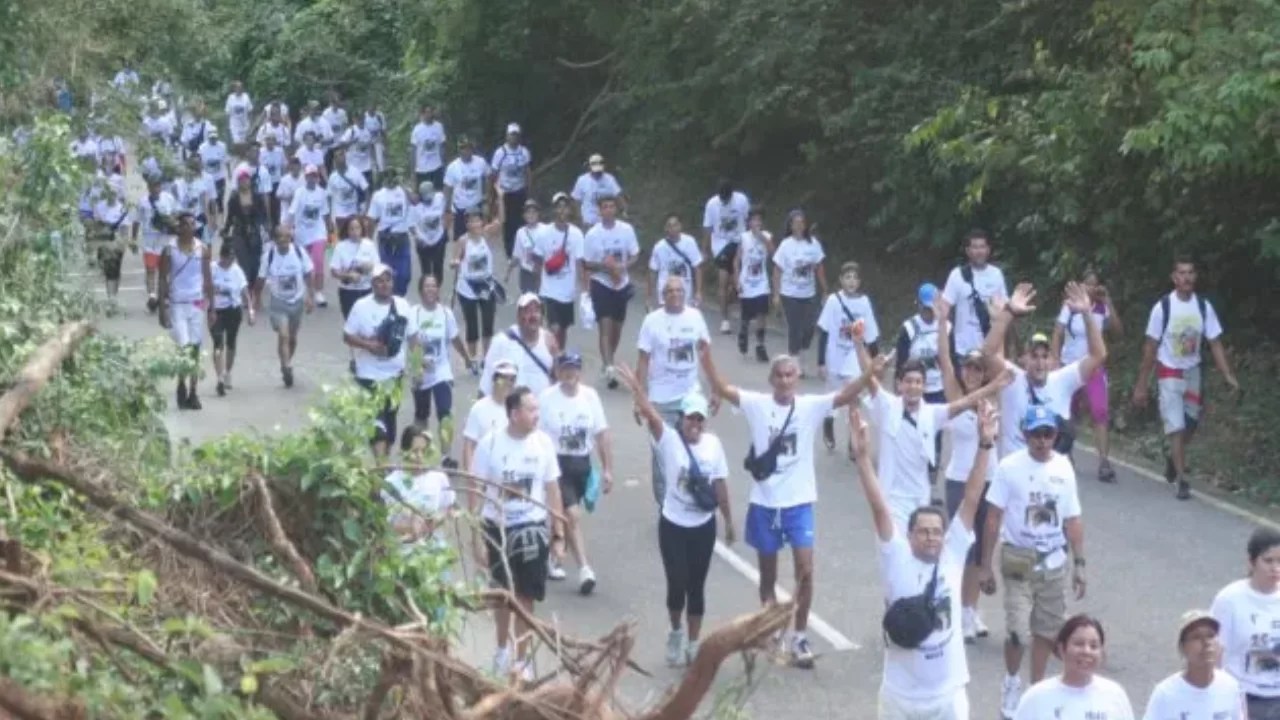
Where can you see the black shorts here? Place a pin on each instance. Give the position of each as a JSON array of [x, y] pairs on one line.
[[955, 493], [575, 472], [724, 259], [530, 575], [347, 299], [610, 304], [754, 307], [559, 314]]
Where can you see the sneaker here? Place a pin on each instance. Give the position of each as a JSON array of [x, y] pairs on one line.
[[502, 662], [967, 626], [725, 328], [1184, 490], [222, 389], [586, 581], [979, 627], [555, 571], [1170, 472], [152, 304], [691, 651], [1010, 694], [320, 301], [286, 374], [193, 402], [801, 653], [526, 672], [742, 343], [1106, 473], [675, 647], [829, 433], [761, 355], [611, 378]]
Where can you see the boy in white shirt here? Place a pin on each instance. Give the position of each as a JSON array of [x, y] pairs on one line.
[[836, 349], [1201, 691]]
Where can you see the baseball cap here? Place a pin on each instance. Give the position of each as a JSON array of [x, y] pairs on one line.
[[1192, 618], [527, 298], [531, 203], [596, 161], [927, 293], [380, 269], [559, 198], [505, 367], [513, 128], [426, 187], [311, 170], [973, 357], [243, 173], [213, 131], [693, 404], [1039, 339], [1039, 417], [569, 358]]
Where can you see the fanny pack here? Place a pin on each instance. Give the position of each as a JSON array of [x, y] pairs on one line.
[[698, 485], [763, 465], [910, 620]]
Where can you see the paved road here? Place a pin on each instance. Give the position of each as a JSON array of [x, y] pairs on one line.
[[1151, 557]]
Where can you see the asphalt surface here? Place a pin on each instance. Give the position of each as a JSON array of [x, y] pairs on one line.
[[1151, 557]]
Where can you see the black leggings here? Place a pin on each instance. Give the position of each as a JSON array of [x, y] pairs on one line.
[[478, 317], [226, 328], [686, 559], [513, 206], [431, 259], [802, 319]]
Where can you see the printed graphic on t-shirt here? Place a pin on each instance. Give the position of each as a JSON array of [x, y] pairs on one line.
[[212, 165], [1185, 331], [846, 328], [755, 268], [226, 290], [787, 444], [518, 480], [395, 210], [1042, 510], [288, 284], [311, 212], [346, 194], [802, 271], [573, 439], [432, 223], [677, 268], [728, 224], [1263, 655], [470, 183], [430, 146], [477, 263], [680, 351]]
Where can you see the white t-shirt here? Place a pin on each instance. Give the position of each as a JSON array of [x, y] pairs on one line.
[[273, 159], [619, 242], [229, 284], [279, 130], [798, 260], [1075, 337], [359, 143], [1055, 394], [366, 315], [1176, 699], [678, 506], [1180, 346], [666, 262], [213, 161], [336, 117], [477, 265], [344, 192], [1050, 699], [308, 210], [1249, 633], [671, 341], [561, 286], [484, 417], [528, 371], [317, 126], [467, 181], [964, 448], [285, 272], [923, 346], [238, 108], [937, 668], [906, 451], [588, 190], [526, 245], [572, 423], [1037, 498], [794, 481], [159, 128], [349, 255], [989, 283], [842, 354], [509, 163], [429, 492], [288, 187], [428, 141], [753, 278], [313, 155], [435, 331], [426, 220], [390, 207], [527, 465], [163, 204], [116, 214], [725, 221]]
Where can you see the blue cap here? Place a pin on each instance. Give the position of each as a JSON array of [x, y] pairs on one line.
[[693, 404], [569, 358], [1038, 417], [927, 293]]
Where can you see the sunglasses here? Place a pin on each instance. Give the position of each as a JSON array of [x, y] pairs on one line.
[[1042, 434]]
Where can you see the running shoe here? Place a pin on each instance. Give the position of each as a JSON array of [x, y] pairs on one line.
[[725, 328], [193, 402], [980, 628], [554, 570], [320, 299], [1010, 694], [222, 389], [1106, 473], [286, 374], [152, 304], [691, 651], [502, 662], [742, 343], [675, 647], [586, 581], [761, 355], [1184, 490], [801, 653], [611, 378]]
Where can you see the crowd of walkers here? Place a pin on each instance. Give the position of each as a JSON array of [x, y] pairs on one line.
[[291, 202]]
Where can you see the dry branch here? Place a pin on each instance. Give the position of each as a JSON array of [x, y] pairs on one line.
[[36, 373], [587, 114], [588, 64], [280, 543], [16, 700]]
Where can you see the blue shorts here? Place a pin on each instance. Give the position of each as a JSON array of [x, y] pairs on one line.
[[768, 529]]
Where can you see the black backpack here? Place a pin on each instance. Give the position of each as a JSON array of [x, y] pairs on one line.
[[910, 620]]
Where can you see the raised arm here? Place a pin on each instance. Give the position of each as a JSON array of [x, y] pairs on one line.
[[859, 437], [988, 427], [984, 393], [645, 408], [1078, 301], [951, 389], [1002, 319], [719, 386]]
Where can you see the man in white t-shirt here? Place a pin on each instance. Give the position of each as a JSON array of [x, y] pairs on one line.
[[924, 680], [464, 191], [783, 427], [1034, 508], [526, 344], [418, 501], [522, 511], [426, 148], [844, 310], [377, 329], [667, 367], [347, 190], [969, 291], [285, 272], [239, 110], [593, 186], [675, 255], [157, 219], [918, 340], [1202, 691], [1176, 330], [557, 256], [1040, 383], [724, 219], [609, 249], [511, 178], [389, 208]]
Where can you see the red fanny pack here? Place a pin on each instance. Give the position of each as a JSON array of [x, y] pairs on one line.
[[555, 263], [1165, 373]]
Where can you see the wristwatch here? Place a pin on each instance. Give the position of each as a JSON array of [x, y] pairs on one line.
[[986, 445], [1079, 561]]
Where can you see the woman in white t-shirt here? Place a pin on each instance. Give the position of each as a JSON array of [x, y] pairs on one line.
[[1248, 611], [1079, 693], [687, 527], [1071, 343], [426, 228], [434, 330], [474, 282], [419, 502], [751, 268], [799, 280], [230, 299], [1201, 691]]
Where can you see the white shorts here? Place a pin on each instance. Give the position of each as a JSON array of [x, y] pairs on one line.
[[955, 707], [186, 323], [1180, 400], [239, 135]]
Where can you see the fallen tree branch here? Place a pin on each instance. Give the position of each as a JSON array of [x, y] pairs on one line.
[[24, 705], [588, 64], [280, 543], [591, 109], [36, 373]]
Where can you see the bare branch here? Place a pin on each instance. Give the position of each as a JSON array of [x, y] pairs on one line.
[[589, 64], [280, 543], [587, 114], [16, 700], [36, 373]]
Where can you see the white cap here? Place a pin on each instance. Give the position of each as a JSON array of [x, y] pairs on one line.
[[513, 128], [311, 170], [596, 161], [505, 367], [527, 298], [382, 269]]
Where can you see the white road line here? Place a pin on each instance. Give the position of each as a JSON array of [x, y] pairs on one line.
[[1223, 505], [99, 273], [833, 637]]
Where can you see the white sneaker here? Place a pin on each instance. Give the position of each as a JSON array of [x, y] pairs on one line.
[[1010, 694], [725, 328], [226, 380], [555, 571], [801, 653], [979, 627], [502, 662], [319, 298], [526, 672], [967, 625], [586, 581], [675, 647], [691, 651]]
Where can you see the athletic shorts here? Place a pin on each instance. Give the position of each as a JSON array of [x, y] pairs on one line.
[[559, 314], [768, 529], [186, 323], [724, 259], [754, 307], [573, 479], [952, 706], [955, 493], [529, 573], [1035, 602], [284, 313], [1180, 399], [1095, 394], [610, 304], [150, 259]]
